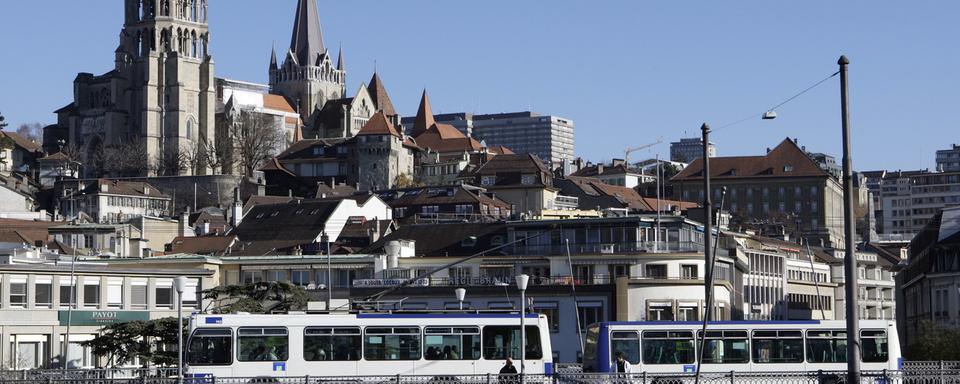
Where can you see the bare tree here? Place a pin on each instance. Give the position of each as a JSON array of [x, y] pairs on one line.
[[31, 131], [254, 140], [126, 159], [171, 162]]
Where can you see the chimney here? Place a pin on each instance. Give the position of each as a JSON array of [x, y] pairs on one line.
[[146, 190], [333, 181], [768, 149], [599, 169], [104, 187]]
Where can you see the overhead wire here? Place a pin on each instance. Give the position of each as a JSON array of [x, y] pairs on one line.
[[789, 99]]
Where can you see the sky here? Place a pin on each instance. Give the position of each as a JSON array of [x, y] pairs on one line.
[[628, 73]]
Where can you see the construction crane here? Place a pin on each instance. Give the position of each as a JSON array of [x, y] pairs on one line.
[[626, 154]]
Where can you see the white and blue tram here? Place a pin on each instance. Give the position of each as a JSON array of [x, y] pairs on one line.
[[741, 346], [364, 344]]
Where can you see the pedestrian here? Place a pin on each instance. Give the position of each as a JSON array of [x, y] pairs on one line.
[[623, 366], [508, 374]]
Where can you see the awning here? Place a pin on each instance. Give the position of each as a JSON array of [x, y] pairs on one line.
[[510, 262]]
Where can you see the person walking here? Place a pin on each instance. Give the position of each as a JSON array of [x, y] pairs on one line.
[[623, 366], [508, 374]]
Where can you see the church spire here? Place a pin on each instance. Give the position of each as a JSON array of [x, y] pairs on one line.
[[379, 95], [340, 59], [273, 58], [424, 119], [307, 40]]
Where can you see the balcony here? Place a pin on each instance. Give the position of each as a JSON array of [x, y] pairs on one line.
[[454, 218], [535, 281], [608, 248]]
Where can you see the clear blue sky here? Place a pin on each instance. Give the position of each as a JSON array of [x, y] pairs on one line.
[[627, 72]]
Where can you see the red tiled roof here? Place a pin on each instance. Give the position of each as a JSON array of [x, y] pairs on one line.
[[379, 95], [378, 125], [22, 142], [446, 138], [277, 102], [786, 160], [123, 187], [424, 119]]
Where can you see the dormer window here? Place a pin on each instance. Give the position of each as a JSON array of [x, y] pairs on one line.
[[528, 179], [487, 181], [788, 168]]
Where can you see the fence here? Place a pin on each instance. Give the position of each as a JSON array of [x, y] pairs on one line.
[[820, 377]]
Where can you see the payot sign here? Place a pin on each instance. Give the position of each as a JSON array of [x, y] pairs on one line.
[[101, 317]]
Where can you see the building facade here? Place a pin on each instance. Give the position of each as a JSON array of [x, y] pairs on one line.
[[549, 137], [160, 95], [688, 149], [948, 160]]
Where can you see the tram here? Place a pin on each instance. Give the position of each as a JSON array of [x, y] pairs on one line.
[[364, 344]]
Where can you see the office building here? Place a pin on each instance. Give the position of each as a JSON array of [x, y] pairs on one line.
[[688, 149], [948, 160]]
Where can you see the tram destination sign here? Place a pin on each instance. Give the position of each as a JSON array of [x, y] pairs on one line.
[[101, 317]]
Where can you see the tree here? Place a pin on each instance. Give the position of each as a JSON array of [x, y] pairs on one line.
[[263, 297], [31, 131], [171, 162], [254, 140], [152, 341], [668, 171], [935, 342], [404, 180], [3, 121], [127, 159]]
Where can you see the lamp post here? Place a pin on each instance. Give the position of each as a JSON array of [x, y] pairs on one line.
[[180, 284], [461, 293], [522, 281], [73, 301], [326, 240], [849, 228]]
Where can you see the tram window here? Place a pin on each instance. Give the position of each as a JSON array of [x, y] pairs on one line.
[[726, 347], [771, 346], [262, 344], [875, 348], [826, 346], [501, 341], [451, 343], [627, 343], [392, 343], [331, 343], [668, 347], [590, 348], [210, 347]]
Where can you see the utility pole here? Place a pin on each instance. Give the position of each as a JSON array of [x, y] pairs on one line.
[[851, 289], [707, 239]]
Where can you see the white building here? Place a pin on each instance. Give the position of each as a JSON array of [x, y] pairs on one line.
[[113, 201]]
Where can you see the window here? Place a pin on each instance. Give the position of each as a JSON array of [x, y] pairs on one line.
[[502, 341], [275, 275], [300, 277], [826, 346], [874, 346], [656, 271], [660, 311], [18, 291], [138, 293], [252, 277], [451, 343], [91, 292], [627, 343], [668, 347], [115, 292], [528, 179], [210, 347], [687, 312], [331, 344], [400, 212], [726, 347], [777, 347], [590, 313], [43, 292], [487, 181], [191, 294], [262, 344], [67, 294], [391, 343], [689, 271], [163, 293], [552, 311]]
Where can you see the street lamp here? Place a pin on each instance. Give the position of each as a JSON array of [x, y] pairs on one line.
[[461, 293], [522, 281], [324, 239], [180, 284]]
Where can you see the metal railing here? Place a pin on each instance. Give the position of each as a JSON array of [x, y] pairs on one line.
[[732, 377], [608, 248]]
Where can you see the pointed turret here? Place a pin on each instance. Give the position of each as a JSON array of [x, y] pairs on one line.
[[273, 58], [340, 59], [424, 119], [307, 39], [379, 95]]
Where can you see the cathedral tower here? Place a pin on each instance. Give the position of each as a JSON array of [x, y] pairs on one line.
[[308, 76], [164, 54]]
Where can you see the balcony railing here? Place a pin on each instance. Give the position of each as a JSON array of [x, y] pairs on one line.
[[508, 281], [608, 248], [455, 217]]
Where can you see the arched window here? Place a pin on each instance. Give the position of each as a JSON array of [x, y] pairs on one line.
[[194, 52], [189, 132]]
